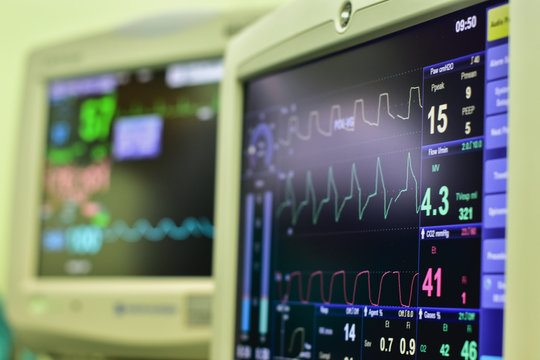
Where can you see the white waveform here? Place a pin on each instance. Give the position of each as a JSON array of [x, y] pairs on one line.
[[335, 114]]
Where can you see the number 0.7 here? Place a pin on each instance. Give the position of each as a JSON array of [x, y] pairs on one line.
[[441, 117]]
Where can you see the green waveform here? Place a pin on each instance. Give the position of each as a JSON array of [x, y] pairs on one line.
[[66, 155], [60, 156], [332, 192], [181, 108]]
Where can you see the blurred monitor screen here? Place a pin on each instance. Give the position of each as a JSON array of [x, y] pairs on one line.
[[128, 179]]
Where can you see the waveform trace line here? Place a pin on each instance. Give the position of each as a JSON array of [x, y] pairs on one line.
[[300, 331], [327, 300], [293, 125], [89, 239], [410, 98], [332, 190], [197, 227]]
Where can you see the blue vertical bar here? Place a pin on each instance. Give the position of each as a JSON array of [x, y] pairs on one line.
[[492, 294], [265, 266], [248, 255]]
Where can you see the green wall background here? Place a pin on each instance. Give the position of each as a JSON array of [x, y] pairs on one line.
[[28, 24]]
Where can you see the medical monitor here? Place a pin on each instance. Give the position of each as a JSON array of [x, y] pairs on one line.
[[368, 149], [114, 200]]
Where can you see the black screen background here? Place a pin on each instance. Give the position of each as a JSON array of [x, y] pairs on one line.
[[177, 184]]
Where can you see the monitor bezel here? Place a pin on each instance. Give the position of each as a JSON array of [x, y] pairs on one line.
[[312, 31], [46, 312]]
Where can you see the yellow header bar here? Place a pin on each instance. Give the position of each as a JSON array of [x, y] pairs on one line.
[[498, 22]]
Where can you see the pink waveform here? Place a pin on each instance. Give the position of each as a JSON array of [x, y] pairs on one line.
[[305, 299], [78, 183]]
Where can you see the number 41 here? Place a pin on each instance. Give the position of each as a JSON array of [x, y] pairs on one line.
[[427, 285]]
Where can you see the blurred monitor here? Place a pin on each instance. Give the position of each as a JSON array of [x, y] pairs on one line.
[[113, 220], [364, 210]]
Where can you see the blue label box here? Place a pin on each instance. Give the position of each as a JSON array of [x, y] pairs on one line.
[[137, 137], [495, 176], [497, 97], [494, 256], [495, 211], [497, 62], [497, 131], [493, 291]]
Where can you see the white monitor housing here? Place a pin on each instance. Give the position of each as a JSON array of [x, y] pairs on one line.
[[64, 307], [299, 271]]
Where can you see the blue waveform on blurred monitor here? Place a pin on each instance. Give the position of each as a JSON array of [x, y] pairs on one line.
[[89, 239], [196, 227]]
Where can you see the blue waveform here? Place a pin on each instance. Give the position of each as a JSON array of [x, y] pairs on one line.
[[88, 239], [166, 227]]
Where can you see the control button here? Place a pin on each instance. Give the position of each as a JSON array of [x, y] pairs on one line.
[[498, 22], [497, 62], [495, 211], [497, 131], [494, 256], [496, 175], [493, 291], [497, 97]]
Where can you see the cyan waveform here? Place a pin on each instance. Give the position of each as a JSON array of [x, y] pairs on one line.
[[197, 227], [84, 239], [349, 300], [335, 114], [89, 239], [339, 204]]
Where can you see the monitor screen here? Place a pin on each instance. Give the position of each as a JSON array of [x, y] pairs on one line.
[[128, 182], [373, 198]]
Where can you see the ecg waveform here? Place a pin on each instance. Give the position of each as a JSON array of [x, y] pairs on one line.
[[335, 114], [332, 191], [183, 107], [301, 333], [349, 300]]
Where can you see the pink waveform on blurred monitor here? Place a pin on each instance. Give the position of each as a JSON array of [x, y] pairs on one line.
[[78, 183]]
